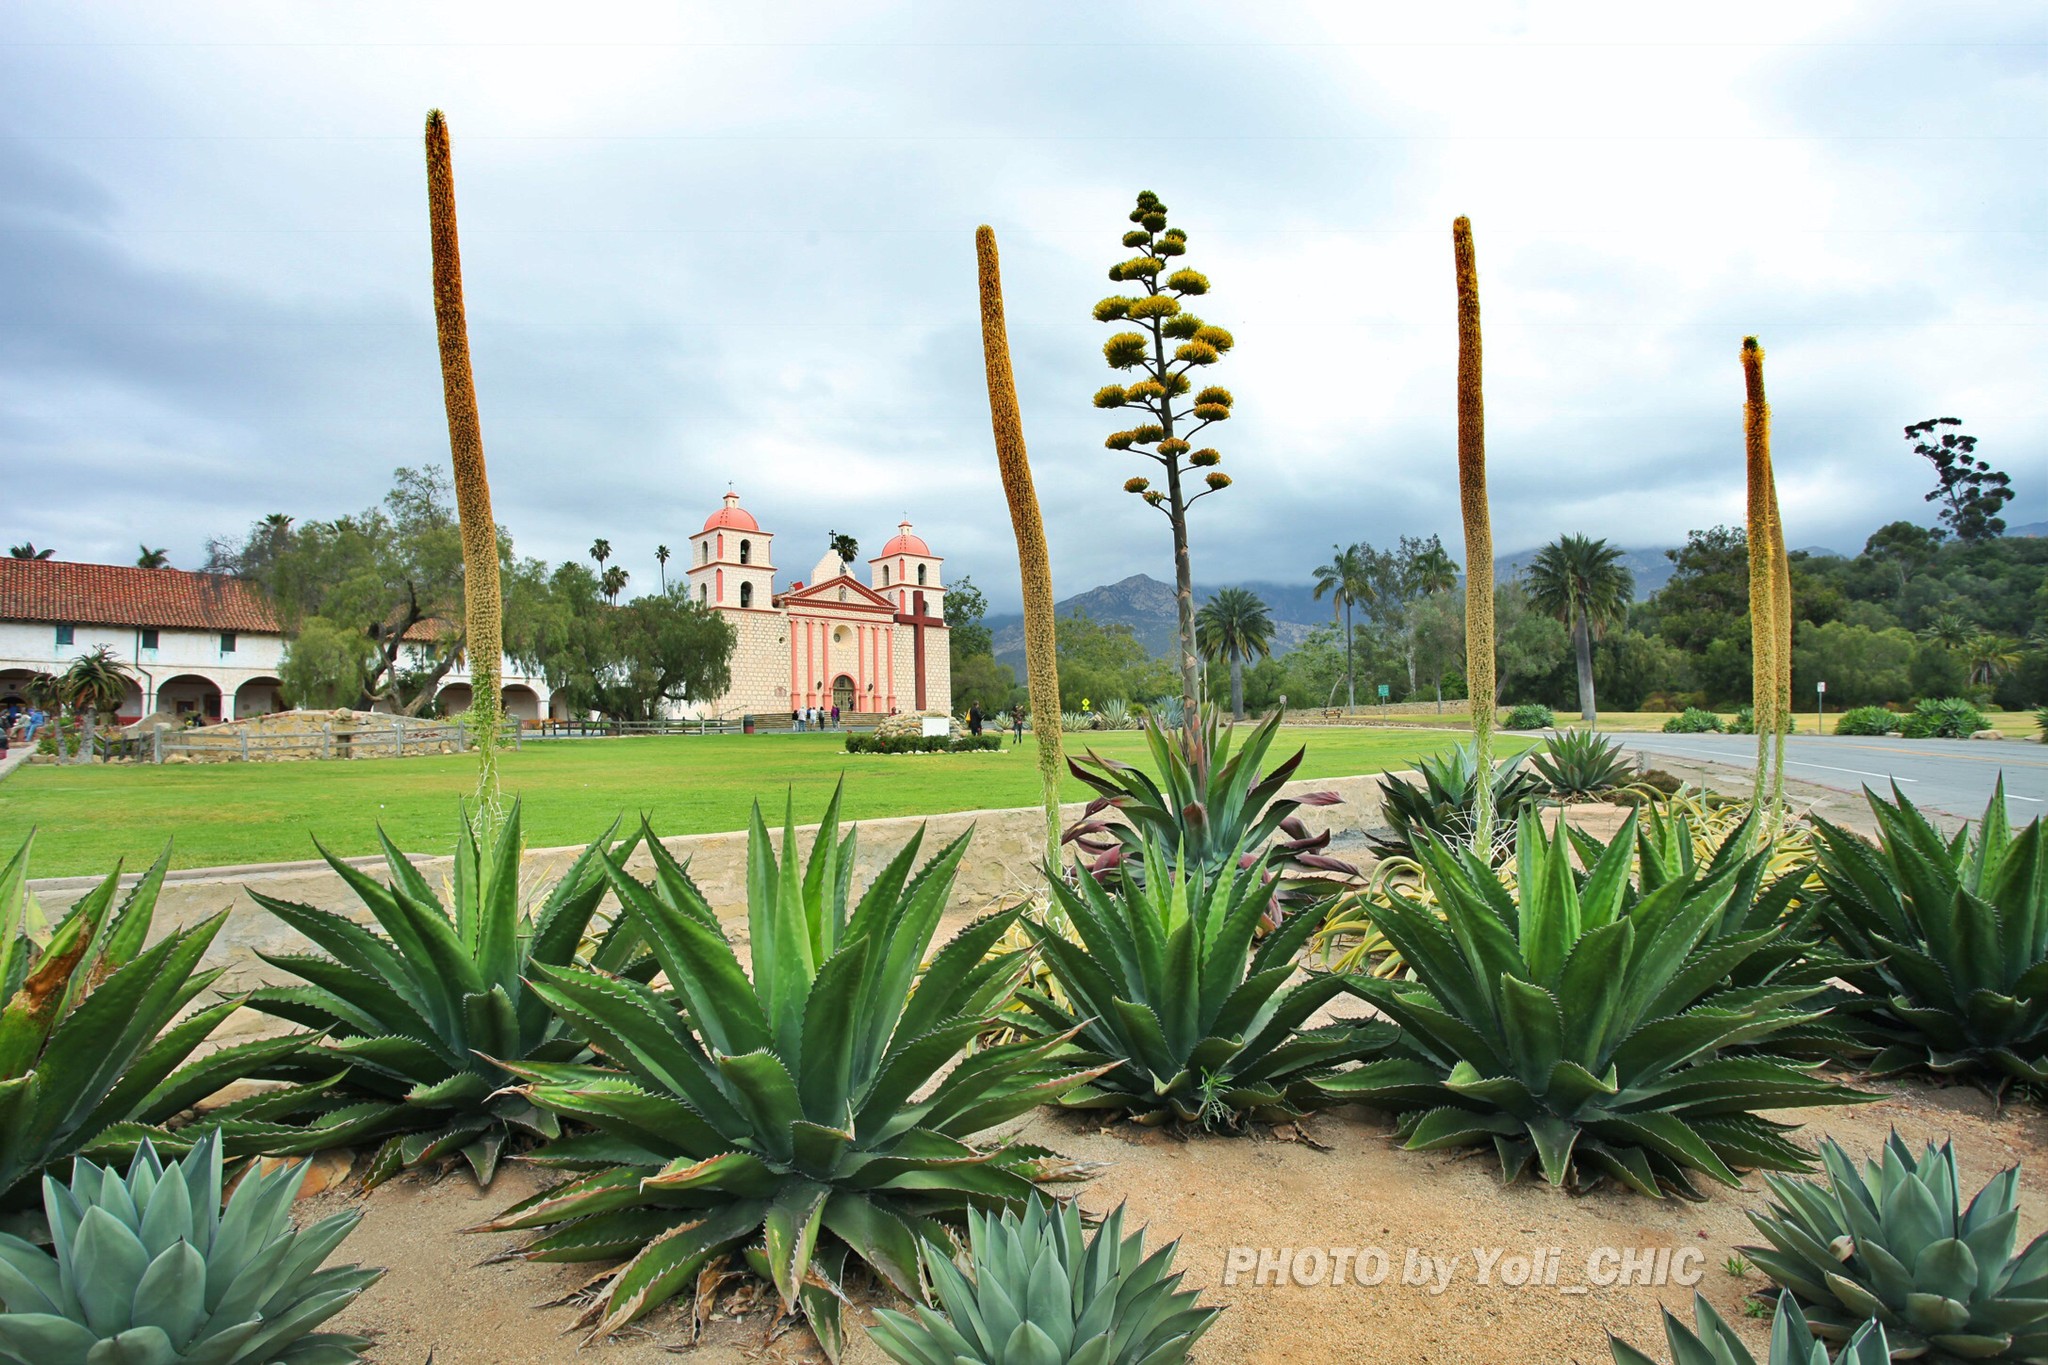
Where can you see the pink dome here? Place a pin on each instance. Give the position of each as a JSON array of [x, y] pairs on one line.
[[731, 516], [905, 543]]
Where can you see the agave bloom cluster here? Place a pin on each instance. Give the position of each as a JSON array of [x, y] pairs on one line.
[[1044, 1294], [808, 1118], [151, 1270], [1893, 1240], [1582, 1023], [1953, 934]]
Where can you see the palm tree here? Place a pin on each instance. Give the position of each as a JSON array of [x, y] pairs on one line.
[[95, 682], [1947, 627], [1434, 570], [1584, 584], [152, 559], [845, 546], [28, 551], [1347, 581], [613, 582], [661, 558], [1235, 626], [600, 550], [1992, 656]]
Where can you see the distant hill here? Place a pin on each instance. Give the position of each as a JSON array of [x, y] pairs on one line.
[[2032, 528]]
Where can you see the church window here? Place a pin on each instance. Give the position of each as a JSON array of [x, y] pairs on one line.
[[920, 575], [703, 552], [703, 593], [885, 575], [746, 552], [746, 593]]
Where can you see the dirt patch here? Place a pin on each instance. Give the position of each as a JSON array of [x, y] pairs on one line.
[[1214, 1194]]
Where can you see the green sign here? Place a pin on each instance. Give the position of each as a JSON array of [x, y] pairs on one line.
[[1383, 691]]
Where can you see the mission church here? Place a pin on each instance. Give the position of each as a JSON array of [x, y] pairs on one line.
[[871, 649]]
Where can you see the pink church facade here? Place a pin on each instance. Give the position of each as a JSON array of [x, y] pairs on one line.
[[870, 648]]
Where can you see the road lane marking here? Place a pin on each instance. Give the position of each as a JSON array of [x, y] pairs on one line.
[[1714, 756]]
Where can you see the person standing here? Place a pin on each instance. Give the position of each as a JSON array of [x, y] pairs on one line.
[[835, 715], [796, 721], [1016, 726], [974, 719]]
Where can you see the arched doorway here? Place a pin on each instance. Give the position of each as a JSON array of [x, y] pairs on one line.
[[190, 698], [842, 694], [453, 699], [521, 702], [258, 697], [20, 686]]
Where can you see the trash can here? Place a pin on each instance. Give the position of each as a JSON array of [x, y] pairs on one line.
[[747, 725]]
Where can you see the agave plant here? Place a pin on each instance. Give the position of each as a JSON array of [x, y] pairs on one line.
[[1579, 764], [1894, 1241], [1166, 999], [1211, 805], [1580, 1024], [811, 1117], [1953, 934], [1443, 804], [1711, 1341], [1043, 1294], [424, 1015], [151, 1270], [91, 1060]]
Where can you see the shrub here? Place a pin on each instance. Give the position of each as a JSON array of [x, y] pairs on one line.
[[1894, 1241], [1949, 940], [921, 744], [1693, 721], [2041, 722], [1711, 1341], [1440, 806], [1529, 716], [1942, 718], [1498, 1045], [83, 1069], [422, 1015], [1208, 804], [1745, 721], [1181, 1019], [1042, 1292], [809, 1117], [1580, 763], [150, 1269], [1869, 720]]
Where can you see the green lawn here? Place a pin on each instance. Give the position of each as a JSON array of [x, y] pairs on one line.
[[87, 818]]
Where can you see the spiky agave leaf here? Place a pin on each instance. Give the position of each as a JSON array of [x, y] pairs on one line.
[[1893, 1240], [1037, 1291], [1952, 937], [1211, 804], [1711, 1341], [1580, 763], [1165, 995], [1445, 804], [150, 1268], [1582, 1024], [91, 1060], [422, 1015], [808, 1114]]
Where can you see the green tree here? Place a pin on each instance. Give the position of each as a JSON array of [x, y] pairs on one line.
[[1584, 584], [630, 662], [843, 545], [1170, 343], [661, 564], [1104, 660], [1236, 627], [1529, 645], [1433, 569], [28, 551], [1861, 666], [1970, 490], [966, 609], [980, 679], [91, 686], [601, 551], [1347, 580], [152, 559], [1904, 548], [613, 581]]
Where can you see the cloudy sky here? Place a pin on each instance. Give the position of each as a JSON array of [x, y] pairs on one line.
[[733, 243]]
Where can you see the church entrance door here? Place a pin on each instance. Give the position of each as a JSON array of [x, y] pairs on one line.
[[842, 693]]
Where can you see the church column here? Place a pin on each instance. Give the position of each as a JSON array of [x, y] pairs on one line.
[[810, 661], [860, 665], [892, 668], [795, 684]]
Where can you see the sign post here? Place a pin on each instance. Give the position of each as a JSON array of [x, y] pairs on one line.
[[1820, 707], [1384, 692]]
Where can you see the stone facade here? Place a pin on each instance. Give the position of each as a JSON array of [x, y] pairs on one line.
[[871, 649]]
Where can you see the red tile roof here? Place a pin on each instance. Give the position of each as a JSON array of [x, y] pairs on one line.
[[121, 595]]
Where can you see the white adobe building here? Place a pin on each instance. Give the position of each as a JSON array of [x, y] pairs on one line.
[[200, 645]]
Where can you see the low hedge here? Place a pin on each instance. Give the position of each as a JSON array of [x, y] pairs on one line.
[[1529, 715], [922, 744], [1693, 720], [1869, 720], [1942, 718]]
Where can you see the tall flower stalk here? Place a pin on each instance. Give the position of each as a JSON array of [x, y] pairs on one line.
[[1034, 562], [1765, 631], [1478, 533], [483, 606]]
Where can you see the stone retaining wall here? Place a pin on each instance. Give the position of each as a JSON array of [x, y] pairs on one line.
[[999, 869]]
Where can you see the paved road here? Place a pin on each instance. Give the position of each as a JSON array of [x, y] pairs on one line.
[[1942, 774]]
